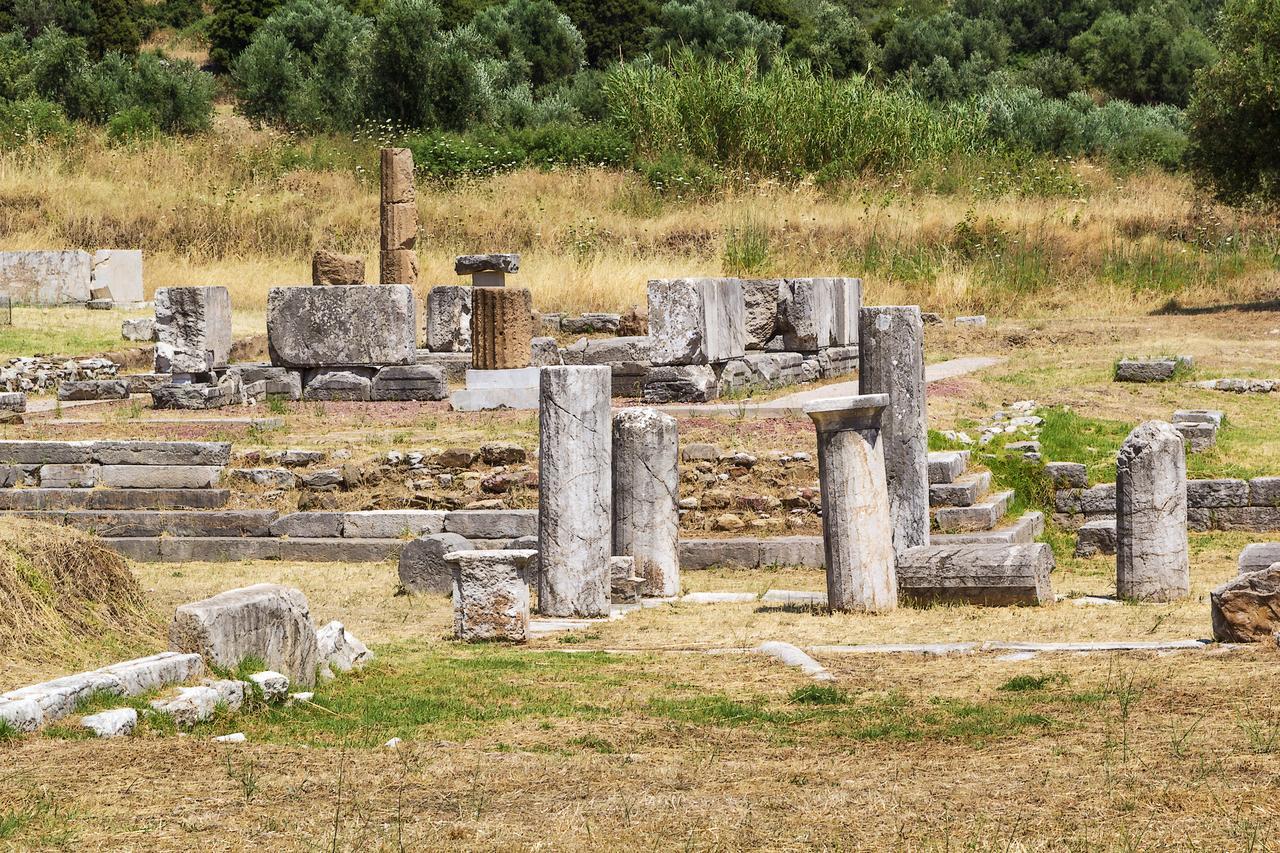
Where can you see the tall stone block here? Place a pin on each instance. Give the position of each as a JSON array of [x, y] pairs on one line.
[[696, 320], [448, 320], [891, 361], [575, 506], [120, 272], [857, 533], [761, 299], [193, 328], [1151, 515], [501, 327], [646, 494], [329, 268], [846, 302], [397, 176], [399, 226], [46, 278], [490, 595], [398, 217], [806, 314], [341, 326], [398, 266]]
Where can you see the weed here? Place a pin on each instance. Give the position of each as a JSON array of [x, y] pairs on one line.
[[8, 732], [277, 404], [246, 774], [1262, 735], [746, 248], [818, 694], [1024, 683]]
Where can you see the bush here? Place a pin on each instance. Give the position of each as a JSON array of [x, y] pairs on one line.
[[1055, 75], [488, 152], [1235, 108], [534, 37], [402, 66], [834, 41], [713, 29], [32, 120], [232, 27], [611, 29], [945, 57], [132, 124]]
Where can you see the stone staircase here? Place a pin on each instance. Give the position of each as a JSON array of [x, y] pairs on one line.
[[965, 509]]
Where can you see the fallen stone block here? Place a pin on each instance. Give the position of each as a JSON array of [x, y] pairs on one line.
[[159, 476], [422, 566], [145, 383], [271, 478], [118, 722], [448, 318], [1067, 475], [1096, 537], [110, 452], [1151, 370], [696, 321], [266, 621], [694, 383], [93, 389], [142, 675], [591, 322], [331, 268], [338, 383], [46, 277], [342, 326], [409, 382], [1198, 437], [59, 697], [493, 262], [338, 649], [393, 523], [195, 396], [1213, 417], [272, 686], [139, 329], [1246, 609], [989, 575], [193, 329], [13, 401], [192, 705]]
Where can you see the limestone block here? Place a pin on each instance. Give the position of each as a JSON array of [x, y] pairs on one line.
[[492, 523], [398, 266], [195, 396], [409, 382], [397, 182], [1246, 609], [574, 491], [494, 262], [1067, 475], [1096, 537], [21, 715], [1213, 417], [696, 320], [945, 466], [490, 596], [341, 326], [113, 452], [309, 525], [1150, 369], [1151, 515], [891, 338], [846, 304], [807, 314], [694, 383], [1198, 437], [338, 649], [422, 565], [592, 322], [544, 352], [59, 697], [13, 401], [1264, 491], [268, 621], [93, 389], [761, 300], [159, 476], [1213, 494], [448, 321], [46, 277], [74, 476], [392, 523], [118, 722], [193, 329], [139, 329], [1257, 556], [990, 575], [331, 268], [23, 452], [145, 383], [120, 272], [646, 489], [501, 328], [261, 382], [399, 226]]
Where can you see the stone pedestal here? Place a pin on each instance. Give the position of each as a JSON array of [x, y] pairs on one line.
[[340, 326], [1151, 515], [857, 533], [575, 505], [490, 596], [398, 218], [891, 361], [501, 327], [646, 491], [497, 389], [193, 328]]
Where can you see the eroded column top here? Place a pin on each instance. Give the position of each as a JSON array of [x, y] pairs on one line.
[[845, 413]]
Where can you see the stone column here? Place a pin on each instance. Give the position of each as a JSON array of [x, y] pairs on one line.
[[891, 361], [646, 492], [1151, 515], [501, 328], [575, 505], [490, 596], [398, 218], [857, 534]]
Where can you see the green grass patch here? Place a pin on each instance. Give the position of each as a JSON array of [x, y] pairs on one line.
[[1067, 436], [1024, 683]]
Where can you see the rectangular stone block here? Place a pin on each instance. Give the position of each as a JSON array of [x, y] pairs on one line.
[[193, 328], [946, 466], [159, 476], [1211, 494], [490, 594], [988, 575], [693, 383], [807, 315], [75, 476], [19, 452], [340, 550], [501, 327], [1096, 537], [111, 452], [93, 389], [1257, 556], [409, 382], [399, 221], [309, 525], [396, 176], [13, 500], [1264, 491], [338, 383], [448, 318], [696, 320], [492, 523], [120, 272], [1255, 518], [341, 326], [762, 299], [46, 277], [702, 553], [392, 524], [398, 266], [846, 302], [330, 268], [13, 401], [179, 523]]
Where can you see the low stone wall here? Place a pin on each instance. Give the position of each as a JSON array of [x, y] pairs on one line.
[[1223, 504], [178, 465]]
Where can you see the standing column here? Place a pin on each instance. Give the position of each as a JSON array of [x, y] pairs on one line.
[[502, 328], [1151, 515], [574, 491], [891, 361], [857, 534], [646, 489], [398, 217]]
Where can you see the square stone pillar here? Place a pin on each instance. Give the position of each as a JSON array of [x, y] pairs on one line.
[[193, 328], [398, 219], [490, 595], [857, 533], [646, 494], [501, 327], [1151, 515]]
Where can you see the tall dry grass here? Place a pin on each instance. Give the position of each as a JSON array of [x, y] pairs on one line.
[[245, 208]]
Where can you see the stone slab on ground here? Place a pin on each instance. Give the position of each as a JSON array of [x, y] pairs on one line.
[[393, 523], [991, 575], [341, 326], [409, 382], [1150, 369], [1096, 537], [93, 389], [1246, 609]]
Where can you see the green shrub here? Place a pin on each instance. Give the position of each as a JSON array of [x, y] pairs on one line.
[[945, 56], [1053, 74], [132, 124], [485, 152], [834, 41], [680, 176], [232, 27], [534, 37], [611, 29], [713, 29], [31, 120]]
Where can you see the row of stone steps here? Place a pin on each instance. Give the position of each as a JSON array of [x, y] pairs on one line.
[[963, 503]]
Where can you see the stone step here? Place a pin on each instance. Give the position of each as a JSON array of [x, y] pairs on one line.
[[111, 499], [114, 524], [1096, 537], [946, 466], [1022, 531], [966, 491], [980, 516]]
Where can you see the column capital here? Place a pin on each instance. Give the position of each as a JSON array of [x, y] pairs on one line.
[[845, 413]]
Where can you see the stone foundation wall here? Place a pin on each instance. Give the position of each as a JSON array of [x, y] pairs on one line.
[[1225, 504]]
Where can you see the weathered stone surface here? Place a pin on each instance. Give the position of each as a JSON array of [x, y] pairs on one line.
[[492, 523], [193, 329], [112, 452], [331, 268], [120, 272], [694, 383], [761, 301], [392, 523], [399, 221], [846, 303], [13, 401], [341, 326], [1149, 370], [75, 476], [186, 523], [45, 277], [1211, 494], [1096, 537], [93, 389], [696, 320], [398, 266], [646, 488], [422, 565], [273, 686], [493, 262], [261, 382], [409, 382], [448, 320], [983, 515], [271, 478], [608, 351], [22, 452], [159, 476], [195, 396], [267, 621], [1198, 437], [892, 362], [1213, 417], [118, 722], [1067, 475], [1264, 491], [338, 383], [21, 715], [308, 525], [544, 352], [139, 329], [991, 575], [1246, 609], [490, 596], [1257, 556], [946, 466], [338, 649], [49, 499], [1255, 518], [396, 176], [1151, 515], [501, 327], [856, 527], [145, 383], [591, 322], [144, 674], [574, 491]]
